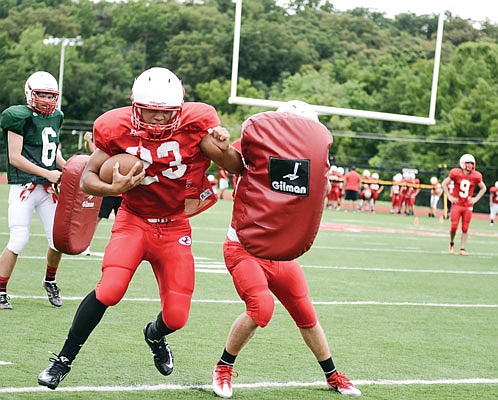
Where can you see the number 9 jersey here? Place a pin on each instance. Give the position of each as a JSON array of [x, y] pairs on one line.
[[40, 140], [463, 185]]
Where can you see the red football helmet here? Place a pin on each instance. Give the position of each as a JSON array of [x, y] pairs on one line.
[[156, 89]]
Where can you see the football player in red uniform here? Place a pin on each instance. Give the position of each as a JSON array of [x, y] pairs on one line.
[[35, 164], [376, 189], [222, 181], [255, 277], [395, 193], [459, 187], [176, 142], [493, 203], [436, 192]]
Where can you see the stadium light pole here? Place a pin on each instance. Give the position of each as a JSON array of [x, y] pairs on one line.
[[76, 41]]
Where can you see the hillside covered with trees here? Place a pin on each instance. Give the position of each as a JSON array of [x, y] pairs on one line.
[[310, 51]]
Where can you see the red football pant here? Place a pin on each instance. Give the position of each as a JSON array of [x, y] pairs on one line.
[[254, 278], [457, 212], [167, 247]]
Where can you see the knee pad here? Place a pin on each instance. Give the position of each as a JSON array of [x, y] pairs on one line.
[[302, 312], [109, 296], [260, 308], [175, 310], [112, 285], [19, 238]]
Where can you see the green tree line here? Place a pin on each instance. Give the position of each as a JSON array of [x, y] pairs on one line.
[[307, 50]]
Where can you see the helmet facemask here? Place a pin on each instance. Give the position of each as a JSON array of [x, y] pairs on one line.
[[153, 131], [160, 90], [38, 83]]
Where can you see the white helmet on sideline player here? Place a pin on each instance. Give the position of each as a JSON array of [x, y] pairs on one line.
[[467, 158], [433, 180], [340, 170], [156, 89], [366, 173], [375, 175], [397, 178], [299, 107], [496, 184], [41, 82]]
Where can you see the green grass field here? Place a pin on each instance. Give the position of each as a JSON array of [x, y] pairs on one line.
[[405, 320]]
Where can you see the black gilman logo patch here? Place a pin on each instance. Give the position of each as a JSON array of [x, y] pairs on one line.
[[290, 176]]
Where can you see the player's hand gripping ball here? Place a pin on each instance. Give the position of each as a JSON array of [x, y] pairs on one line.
[[126, 162]]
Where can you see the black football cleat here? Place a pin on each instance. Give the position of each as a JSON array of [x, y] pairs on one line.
[[5, 301], [163, 357], [56, 371], [53, 293]]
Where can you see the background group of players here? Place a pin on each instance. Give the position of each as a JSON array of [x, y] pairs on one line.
[[404, 189]]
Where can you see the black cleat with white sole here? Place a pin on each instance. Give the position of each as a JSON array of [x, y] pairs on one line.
[[56, 371], [163, 357]]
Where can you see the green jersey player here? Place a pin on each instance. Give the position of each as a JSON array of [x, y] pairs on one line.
[[34, 165]]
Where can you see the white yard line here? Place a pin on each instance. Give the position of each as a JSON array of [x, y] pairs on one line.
[[259, 385], [319, 303]]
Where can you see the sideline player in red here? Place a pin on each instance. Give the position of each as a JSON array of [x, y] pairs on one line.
[[493, 203], [222, 181], [176, 142], [436, 192], [257, 278], [459, 187]]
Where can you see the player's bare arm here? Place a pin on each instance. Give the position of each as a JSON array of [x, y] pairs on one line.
[[92, 184], [60, 161], [482, 191], [216, 145], [19, 161]]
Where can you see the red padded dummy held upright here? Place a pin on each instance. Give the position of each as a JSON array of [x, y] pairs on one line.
[[280, 196], [77, 212]]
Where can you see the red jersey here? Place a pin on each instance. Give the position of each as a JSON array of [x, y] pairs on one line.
[[222, 173], [352, 181], [463, 185], [493, 193], [175, 183]]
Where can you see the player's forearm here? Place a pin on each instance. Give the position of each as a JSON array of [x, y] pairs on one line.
[[25, 165], [60, 161], [231, 160], [479, 195], [91, 183]]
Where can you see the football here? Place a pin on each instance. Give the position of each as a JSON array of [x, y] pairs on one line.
[[126, 162]]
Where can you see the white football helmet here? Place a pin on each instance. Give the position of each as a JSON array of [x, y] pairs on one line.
[[41, 82], [433, 180], [496, 184], [467, 158], [375, 175], [156, 89], [366, 173], [340, 170], [397, 178], [333, 168], [299, 107]]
